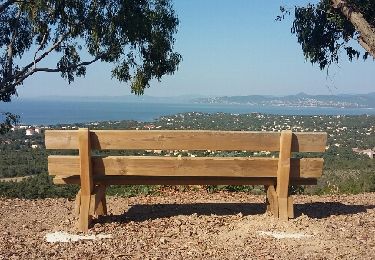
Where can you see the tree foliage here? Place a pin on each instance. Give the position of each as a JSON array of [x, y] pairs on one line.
[[136, 36], [328, 28], [7, 120]]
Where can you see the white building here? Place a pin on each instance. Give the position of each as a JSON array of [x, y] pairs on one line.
[[369, 152], [30, 131]]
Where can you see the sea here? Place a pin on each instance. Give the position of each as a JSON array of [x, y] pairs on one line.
[[45, 112]]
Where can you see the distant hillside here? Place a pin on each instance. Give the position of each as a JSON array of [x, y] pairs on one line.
[[299, 100]]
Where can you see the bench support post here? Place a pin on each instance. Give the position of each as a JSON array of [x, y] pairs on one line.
[[271, 200], [283, 175], [77, 204], [101, 208], [86, 179], [98, 201]]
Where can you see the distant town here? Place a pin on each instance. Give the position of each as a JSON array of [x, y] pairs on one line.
[[299, 100], [348, 159], [356, 133]]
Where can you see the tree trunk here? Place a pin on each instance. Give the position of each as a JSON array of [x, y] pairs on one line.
[[366, 32]]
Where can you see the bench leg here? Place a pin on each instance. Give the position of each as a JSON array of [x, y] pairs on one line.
[[274, 204], [77, 204], [84, 213], [283, 208], [290, 207], [100, 201], [98, 205], [272, 201]]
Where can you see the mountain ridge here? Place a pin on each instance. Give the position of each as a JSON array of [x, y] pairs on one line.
[[298, 100]]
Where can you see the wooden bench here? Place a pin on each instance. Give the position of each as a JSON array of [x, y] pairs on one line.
[[95, 173]]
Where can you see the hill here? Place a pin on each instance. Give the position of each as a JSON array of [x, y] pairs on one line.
[[298, 100]]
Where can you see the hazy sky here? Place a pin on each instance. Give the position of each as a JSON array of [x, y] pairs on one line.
[[229, 47]]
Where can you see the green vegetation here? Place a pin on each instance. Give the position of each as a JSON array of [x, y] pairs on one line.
[[136, 36], [344, 171], [40, 186], [328, 28]]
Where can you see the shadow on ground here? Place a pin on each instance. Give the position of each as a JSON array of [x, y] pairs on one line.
[[319, 210], [144, 212]]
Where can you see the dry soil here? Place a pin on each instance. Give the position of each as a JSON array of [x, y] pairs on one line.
[[194, 225]]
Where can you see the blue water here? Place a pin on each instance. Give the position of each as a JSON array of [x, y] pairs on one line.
[[53, 112]]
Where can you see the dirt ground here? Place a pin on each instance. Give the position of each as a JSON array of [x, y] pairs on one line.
[[194, 225]]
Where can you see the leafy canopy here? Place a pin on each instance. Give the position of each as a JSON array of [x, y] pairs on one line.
[[323, 31], [136, 36]]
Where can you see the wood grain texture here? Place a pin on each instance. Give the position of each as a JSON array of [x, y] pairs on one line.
[[283, 167], [77, 204], [86, 178], [273, 204], [186, 166], [283, 173], [184, 180], [290, 207], [100, 201], [185, 140]]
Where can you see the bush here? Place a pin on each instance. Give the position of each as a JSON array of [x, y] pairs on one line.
[[344, 182], [39, 186], [132, 190]]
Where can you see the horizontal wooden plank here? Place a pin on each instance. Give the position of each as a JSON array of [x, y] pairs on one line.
[[163, 180], [61, 139], [185, 166], [185, 140]]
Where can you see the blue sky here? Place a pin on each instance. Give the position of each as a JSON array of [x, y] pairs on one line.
[[229, 47]]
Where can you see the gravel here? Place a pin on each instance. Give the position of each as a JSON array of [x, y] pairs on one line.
[[193, 225]]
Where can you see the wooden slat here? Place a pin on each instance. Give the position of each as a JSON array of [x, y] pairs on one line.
[[186, 140], [61, 139], [165, 180], [185, 166]]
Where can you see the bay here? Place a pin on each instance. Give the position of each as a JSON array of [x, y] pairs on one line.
[[45, 112]]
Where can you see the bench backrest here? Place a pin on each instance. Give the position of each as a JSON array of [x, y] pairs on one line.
[[183, 170], [185, 140]]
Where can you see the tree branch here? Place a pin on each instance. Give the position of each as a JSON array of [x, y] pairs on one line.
[[366, 31], [23, 74], [40, 47], [7, 88], [86, 63], [35, 61]]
